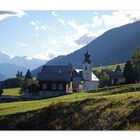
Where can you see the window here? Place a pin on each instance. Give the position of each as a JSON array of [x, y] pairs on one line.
[[53, 86], [44, 86], [85, 68], [60, 86], [59, 71]]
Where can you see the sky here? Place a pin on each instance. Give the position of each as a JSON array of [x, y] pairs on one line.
[[46, 34]]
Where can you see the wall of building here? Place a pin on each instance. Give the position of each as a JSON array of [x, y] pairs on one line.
[[90, 85], [53, 86]]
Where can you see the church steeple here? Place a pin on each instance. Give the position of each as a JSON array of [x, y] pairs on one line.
[[87, 72], [87, 57]]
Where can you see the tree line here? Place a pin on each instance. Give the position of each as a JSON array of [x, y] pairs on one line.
[[130, 71]]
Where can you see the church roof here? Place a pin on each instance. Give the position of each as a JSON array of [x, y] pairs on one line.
[[55, 73], [94, 78]]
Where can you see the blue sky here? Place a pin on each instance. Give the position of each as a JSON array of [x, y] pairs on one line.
[[47, 34]]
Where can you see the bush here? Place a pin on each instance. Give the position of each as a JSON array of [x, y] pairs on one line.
[[27, 83]]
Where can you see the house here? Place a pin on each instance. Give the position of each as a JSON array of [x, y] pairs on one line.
[[55, 78], [117, 78]]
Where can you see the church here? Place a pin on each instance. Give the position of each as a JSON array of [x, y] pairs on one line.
[[55, 80]]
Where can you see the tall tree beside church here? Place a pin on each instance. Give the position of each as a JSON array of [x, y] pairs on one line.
[[136, 63], [104, 79], [28, 74], [128, 72], [118, 68]]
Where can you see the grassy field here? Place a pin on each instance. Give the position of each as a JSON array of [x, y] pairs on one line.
[[90, 111], [110, 67], [12, 92]]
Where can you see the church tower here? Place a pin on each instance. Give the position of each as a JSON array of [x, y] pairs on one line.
[[87, 66]]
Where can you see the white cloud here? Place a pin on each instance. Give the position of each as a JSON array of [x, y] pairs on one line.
[[54, 14], [58, 19], [117, 18], [61, 21], [21, 44], [42, 27], [80, 30], [39, 26], [50, 54], [96, 21], [6, 14], [33, 23]]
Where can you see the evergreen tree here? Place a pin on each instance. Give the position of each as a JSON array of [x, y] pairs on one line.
[[17, 75], [20, 74], [128, 73], [28, 74], [118, 68], [136, 64], [104, 79]]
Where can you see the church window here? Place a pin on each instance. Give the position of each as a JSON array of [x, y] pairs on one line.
[[85, 68]]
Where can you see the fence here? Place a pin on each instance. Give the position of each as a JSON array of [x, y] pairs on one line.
[[120, 89]]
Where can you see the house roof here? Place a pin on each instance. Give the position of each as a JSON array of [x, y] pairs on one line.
[[77, 80], [62, 73], [55, 73], [117, 74]]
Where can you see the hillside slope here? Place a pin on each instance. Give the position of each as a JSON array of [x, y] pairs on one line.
[[81, 111], [114, 46]]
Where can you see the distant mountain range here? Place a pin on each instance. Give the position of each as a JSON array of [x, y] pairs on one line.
[[10, 66], [10, 70], [21, 61], [114, 46]]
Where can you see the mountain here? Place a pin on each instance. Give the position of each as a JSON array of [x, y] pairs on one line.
[[2, 77], [21, 61], [27, 63], [10, 70], [114, 46], [35, 71]]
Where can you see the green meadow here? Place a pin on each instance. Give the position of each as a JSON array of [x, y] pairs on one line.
[[115, 108]]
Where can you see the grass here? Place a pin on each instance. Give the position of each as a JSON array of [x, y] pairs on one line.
[[24, 106], [110, 67], [75, 111], [91, 111], [12, 92]]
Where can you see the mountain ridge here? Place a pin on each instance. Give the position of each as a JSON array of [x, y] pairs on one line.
[[10, 70], [114, 46]]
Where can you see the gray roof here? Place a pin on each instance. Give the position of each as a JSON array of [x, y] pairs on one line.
[[117, 74], [55, 73], [77, 80]]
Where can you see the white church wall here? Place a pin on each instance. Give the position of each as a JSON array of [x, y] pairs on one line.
[[87, 75], [90, 85]]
